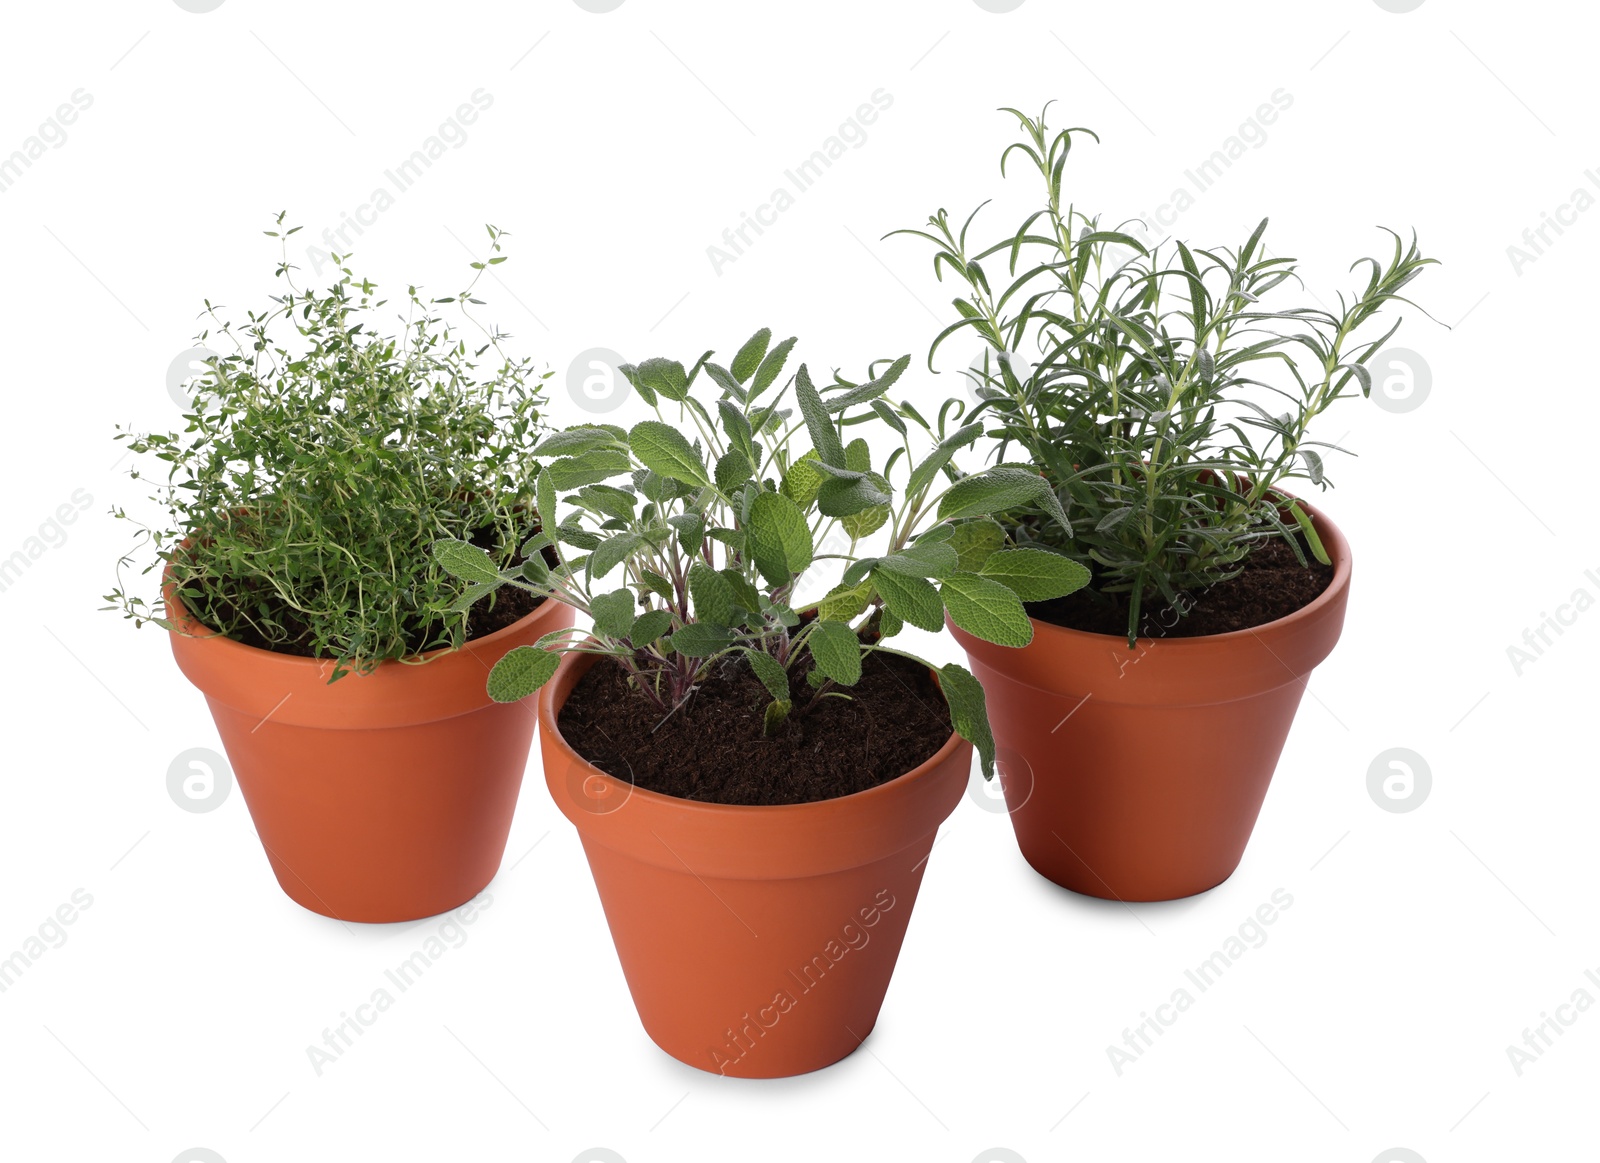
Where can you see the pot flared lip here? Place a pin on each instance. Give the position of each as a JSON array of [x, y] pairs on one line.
[[867, 797], [1333, 540], [193, 630]]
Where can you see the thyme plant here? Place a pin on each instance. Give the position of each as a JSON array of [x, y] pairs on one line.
[[1166, 400], [684, 538], [321, 459]]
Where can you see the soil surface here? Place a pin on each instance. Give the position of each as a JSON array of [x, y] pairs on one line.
[[1272, 585], [713, 749]]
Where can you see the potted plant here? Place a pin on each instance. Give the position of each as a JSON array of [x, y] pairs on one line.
[[320, 461], [756, 780], [1165, 394]]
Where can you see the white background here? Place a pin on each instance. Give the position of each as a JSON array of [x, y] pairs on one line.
[[617, 148]]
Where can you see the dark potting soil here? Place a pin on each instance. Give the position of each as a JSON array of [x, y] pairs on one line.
[[713, 750], [1272, 585]]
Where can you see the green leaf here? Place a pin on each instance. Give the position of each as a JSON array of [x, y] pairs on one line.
[[840, 496], [770, 367], [701, 640], [969, 712], [469, 597], [657, 584], [572, 441], [925, 559], [544, 499], [1307, 528], [779, 538], [836, 650], [465, 561], [890, 623], [649, 626], [872, 390], [865, 523], [691, 528], [607, 500], [771, 673], [733, 469], [993, 491], [986, 609], [569, 472], [612, 552], [858, 455], [823, 437], [713, 596], [750, 355], [745, 595], [911, 599], [521, 671], [923, 474], [665, 376], [535, 570], [803, 479], [613, 614], [664, 450], [1035, 575], [842, 602], [974, 541], [772, 718]]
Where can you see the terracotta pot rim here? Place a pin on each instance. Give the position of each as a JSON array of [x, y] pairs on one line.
[[551, 730], [1338, 550], [178, 613]]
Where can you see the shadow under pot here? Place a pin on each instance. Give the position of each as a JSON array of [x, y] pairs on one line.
[[381, 797], [1137, 774], [757, 941]]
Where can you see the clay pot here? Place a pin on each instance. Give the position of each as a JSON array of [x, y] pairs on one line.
[[757, 942], [1137, 775], [381, 797]]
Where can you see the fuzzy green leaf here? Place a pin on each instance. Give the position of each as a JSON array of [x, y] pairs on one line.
[[750, 355], [771, 673], [664, 450], [713, 596], [521, 671], [911, 599], [986, 609], [701, 640], [837, 651], [779, 537], [969, 712], [649, 626], [465, 561], [613, 614], [1035, 575]]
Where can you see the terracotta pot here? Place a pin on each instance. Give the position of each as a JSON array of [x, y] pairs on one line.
[[757, 942], [1137, 775], [382, 797]]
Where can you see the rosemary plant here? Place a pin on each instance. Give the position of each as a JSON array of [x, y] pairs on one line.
[[1164, 396]]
